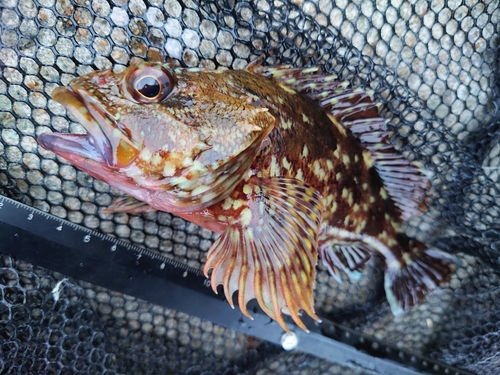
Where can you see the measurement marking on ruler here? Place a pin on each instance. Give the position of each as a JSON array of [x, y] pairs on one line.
[[91, 234]]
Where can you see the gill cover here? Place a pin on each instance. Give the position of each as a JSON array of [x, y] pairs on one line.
[[143, 84]]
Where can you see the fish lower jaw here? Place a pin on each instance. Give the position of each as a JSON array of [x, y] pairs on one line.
[[72, 147]]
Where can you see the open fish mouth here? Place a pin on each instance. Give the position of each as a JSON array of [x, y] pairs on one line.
[[105, 142]]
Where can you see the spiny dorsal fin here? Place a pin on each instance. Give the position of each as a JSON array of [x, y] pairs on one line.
[[357, 111], [270, 253]]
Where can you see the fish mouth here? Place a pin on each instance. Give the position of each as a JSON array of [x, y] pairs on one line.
[[105, 141]]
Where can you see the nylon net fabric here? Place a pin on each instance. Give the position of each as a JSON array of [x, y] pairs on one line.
[[433, 66]]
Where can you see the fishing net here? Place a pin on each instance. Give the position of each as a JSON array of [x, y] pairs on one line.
[[433, 66]]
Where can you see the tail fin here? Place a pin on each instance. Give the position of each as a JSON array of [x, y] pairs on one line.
[[419, 272]]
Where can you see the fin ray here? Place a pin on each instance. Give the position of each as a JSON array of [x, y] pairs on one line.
[[129, 205], [355, 109], [347, 257], [271, 257], [420, 271]]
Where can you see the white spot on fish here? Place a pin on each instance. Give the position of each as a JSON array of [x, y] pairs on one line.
[[187, 162], [350, 199], [318, 170], [246, 217], [286, 124], [367, 158], [305, 152], [238, 203], [156, 160], [247, 189], [227, 204], [198, 167], [329, 200], [383, 193], [345, 193], [286, 164], [169, 169], [361, 226], [383, 235], [200, 189], [299, 175], [274, 168], [145, 154]]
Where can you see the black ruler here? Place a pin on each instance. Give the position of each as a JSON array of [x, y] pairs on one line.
[[56, 244]]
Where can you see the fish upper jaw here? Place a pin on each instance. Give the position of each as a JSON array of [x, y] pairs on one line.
[[105, 141]]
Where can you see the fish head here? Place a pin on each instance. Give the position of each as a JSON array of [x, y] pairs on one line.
[[153, 129]]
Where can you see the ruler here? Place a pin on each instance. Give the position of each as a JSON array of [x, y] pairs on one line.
[[53, 243]]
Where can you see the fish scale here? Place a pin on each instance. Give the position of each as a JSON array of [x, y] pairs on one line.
[[287, 172]]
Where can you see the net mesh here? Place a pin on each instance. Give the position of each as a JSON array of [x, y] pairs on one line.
[[433, 65]]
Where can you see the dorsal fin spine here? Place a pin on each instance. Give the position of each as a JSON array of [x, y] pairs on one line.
[[356, 111]]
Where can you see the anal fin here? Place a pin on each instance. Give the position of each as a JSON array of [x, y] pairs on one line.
[[347, 257], [270, 252]]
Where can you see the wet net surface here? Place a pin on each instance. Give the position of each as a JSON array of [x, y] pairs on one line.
[[433, 65]]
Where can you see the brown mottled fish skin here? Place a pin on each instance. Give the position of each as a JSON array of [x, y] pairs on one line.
[[287, 164]]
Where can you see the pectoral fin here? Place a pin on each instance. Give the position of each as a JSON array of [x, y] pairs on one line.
[[129, 205], [270, 253]]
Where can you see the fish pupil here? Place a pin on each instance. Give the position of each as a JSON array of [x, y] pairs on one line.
[[148, 87]]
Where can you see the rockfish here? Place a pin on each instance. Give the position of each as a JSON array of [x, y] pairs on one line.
[[288, 164]]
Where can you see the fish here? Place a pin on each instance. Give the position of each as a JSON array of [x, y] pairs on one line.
[[290, 165]]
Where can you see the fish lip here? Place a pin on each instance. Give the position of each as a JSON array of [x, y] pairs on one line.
[[71, 146], [95, 145]]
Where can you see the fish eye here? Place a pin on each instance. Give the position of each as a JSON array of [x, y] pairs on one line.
[[149, 87], [149, 84]]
